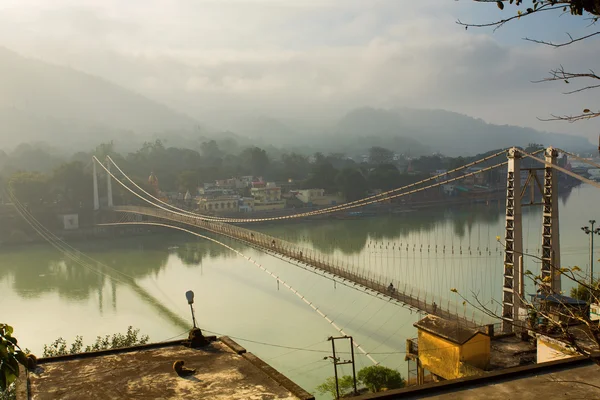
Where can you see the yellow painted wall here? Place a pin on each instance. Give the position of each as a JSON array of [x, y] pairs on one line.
[[477, 351], [439, 356], [448, 359]]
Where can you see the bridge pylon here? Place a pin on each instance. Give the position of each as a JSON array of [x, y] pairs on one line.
[[512, 288], [550, 232], [108, 186], [95, 177]]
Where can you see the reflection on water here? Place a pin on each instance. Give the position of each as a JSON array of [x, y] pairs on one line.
[[46, 295]]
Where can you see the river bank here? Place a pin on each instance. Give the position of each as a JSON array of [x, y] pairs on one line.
[[15, 230]]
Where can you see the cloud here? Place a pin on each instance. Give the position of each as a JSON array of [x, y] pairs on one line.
[[302, 59]]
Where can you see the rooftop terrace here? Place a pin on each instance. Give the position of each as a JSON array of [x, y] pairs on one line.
[[224, 370]]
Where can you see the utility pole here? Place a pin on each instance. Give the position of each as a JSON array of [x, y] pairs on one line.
[[591, 232], [337, 361]]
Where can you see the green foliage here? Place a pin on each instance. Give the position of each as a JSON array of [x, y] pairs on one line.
[[131, 338], [11, 356], [255, 161], [9, 394], [322, 176], [346, 385], [384, 176], [352, 183], [581, 292], [375, 378], [295, 166], [72, 186], [188, 180], [30, 187], [378, 377], [380, 155]]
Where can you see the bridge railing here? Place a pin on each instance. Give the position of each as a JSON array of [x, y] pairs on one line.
[[403, 292]]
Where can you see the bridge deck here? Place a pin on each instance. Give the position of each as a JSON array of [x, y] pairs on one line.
[[293, 252]]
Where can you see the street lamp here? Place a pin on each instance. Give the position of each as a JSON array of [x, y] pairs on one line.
[[591, 231], [189, 295]]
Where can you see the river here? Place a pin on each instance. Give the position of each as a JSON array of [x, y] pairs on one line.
[[44, 295]]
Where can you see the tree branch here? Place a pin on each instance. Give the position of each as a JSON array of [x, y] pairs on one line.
[[500, 23], [556, 45]]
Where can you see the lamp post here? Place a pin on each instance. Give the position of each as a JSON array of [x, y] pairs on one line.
[[189, 295], [591, 231]]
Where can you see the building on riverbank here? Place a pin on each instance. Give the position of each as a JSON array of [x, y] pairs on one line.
[[267, 196], [317, 197], [223, 370]]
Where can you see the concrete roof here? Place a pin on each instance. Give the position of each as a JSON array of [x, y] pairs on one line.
[[510, 351], [575, 378], [449, 330], [224, 370]]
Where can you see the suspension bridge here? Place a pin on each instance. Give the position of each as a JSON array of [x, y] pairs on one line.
[[357, 275]]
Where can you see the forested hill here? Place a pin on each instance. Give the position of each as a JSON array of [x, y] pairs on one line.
[[40, 101], [449, 133]]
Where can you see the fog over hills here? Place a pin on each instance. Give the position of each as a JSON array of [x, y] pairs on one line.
[[75, 110], [44, 102]]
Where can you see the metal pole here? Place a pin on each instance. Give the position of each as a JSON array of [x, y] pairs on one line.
[[337, 387], [353, 367], [592, 254], [193, 316]]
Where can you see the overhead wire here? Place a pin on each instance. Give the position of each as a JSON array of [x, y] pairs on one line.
[[75, 255], [260, 266], [353, 204]]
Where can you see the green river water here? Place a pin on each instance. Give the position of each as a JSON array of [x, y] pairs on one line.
[[45, 295]]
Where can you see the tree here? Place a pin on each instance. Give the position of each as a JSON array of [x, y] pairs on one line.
[[322, 176], [571, 326], [130, 338], [586, 11], [30, 187], [456, 162], [295, 166], [581, 292], [211, 150], [378, 377], [73, 184], [188, 180], [254, 161], [352, 183], [384, 176], [345, 385], [11, 355], [380, 155]]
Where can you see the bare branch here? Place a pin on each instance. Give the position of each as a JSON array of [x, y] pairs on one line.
[[500, 23], [556, 45], [571, 118]]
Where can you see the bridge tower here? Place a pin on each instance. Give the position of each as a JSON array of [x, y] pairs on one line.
[[550, 232], [108, 186], [512, 291], [96, 198]]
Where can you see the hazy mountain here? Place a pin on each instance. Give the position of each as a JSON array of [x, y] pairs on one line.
[[448, 132], [72, 110], [40, 101]]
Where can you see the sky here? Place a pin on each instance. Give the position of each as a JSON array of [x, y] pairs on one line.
[[312, 60]]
